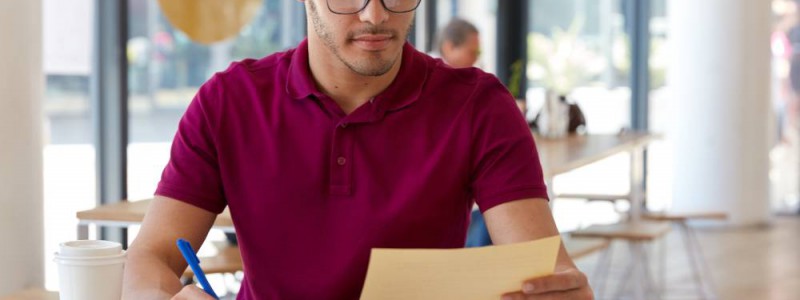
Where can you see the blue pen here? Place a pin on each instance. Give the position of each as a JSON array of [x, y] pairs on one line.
[[194, 263]]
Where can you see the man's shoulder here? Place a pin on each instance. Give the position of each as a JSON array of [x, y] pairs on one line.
[[244, 76], [443, 74], [261, 66]]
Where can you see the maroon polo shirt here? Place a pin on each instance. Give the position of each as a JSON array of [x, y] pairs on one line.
[[311, 190]]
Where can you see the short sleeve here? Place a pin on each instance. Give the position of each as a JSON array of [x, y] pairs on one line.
[[193, 174], [505, 164]]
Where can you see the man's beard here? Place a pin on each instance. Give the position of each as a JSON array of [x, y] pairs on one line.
[[370, 67]]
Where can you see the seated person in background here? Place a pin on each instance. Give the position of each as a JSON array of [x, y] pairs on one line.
[[352, 140], [459, 44]]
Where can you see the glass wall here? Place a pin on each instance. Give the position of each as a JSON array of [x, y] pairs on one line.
[[69, 152], [785, 153], [659, 155], [166, 68], [581, 49]]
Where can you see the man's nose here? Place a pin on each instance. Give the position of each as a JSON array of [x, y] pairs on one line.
[[374, 13]]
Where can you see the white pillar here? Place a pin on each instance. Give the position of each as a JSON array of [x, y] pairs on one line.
[[21, 195], [720, 81]]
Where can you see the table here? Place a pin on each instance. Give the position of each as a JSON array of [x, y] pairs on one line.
[[32, 294], [127, 213], [561, 155], [558, 156]]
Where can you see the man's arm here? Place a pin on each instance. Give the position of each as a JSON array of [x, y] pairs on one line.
[[530, 219], [154, 261]]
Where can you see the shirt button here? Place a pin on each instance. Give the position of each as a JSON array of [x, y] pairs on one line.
[[341, 161]]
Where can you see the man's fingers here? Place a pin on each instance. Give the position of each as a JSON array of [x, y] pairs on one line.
[[584, 294], [562, 281]]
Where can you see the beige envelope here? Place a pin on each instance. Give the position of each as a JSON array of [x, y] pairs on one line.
[[472, 273]]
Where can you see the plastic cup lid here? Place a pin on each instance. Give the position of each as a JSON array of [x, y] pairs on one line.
[[89, 248]]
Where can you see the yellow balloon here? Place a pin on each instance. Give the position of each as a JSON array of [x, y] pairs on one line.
[[210, 21]]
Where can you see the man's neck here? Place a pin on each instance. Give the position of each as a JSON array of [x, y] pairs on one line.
[[348, 88]]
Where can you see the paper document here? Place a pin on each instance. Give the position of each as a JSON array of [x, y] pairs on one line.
[[471, 273]]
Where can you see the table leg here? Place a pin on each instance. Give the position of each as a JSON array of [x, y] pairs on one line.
[[637, 183], [700, 269], [83, 232], [662, 265]]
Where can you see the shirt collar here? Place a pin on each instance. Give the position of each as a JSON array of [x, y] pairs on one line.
[[403, 91], [299, 83]]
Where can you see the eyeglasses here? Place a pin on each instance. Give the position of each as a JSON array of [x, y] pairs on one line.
[[349, 7]]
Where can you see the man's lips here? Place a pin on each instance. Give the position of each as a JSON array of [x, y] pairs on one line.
[[373, 42], [372, 37]]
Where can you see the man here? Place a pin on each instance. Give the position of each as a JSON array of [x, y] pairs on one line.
[[459, 44], [351, 141]]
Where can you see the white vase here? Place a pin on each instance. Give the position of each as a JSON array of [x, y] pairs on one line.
[[554, 117]]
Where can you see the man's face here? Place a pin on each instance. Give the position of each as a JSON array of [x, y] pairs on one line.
[[464, 55], [369, 42]]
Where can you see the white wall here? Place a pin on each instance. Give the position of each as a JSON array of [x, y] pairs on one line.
[[21, 90], [720, 81]]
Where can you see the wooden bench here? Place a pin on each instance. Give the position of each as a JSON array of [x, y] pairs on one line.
[[581, 247], [636, 234], [701, 273], [632, 231], [685, 216], [227, 260]]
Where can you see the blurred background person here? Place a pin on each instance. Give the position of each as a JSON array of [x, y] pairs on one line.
[[458, 44]]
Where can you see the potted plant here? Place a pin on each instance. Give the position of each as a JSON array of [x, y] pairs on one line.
[[560, 63]]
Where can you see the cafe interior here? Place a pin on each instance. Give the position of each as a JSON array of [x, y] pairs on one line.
[[667, 130]]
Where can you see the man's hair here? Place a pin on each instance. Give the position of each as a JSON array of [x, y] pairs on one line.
[[456, 31]]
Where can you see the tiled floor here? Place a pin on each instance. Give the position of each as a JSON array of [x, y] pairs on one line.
[[751, 263]]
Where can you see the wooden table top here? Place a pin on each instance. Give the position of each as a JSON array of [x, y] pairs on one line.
[[32, 294], [685, 216], [558, 156], [133, 212], [561, 155]]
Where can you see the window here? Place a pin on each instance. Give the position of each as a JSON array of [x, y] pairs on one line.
[[166, 68], [785, 153], [659, 159], [69, 152], [581, 49]]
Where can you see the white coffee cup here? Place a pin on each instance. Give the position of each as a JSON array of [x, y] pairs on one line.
[[90, 270]]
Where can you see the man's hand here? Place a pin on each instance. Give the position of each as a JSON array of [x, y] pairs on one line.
[[564, 284], [530, 219], [191, 292]]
